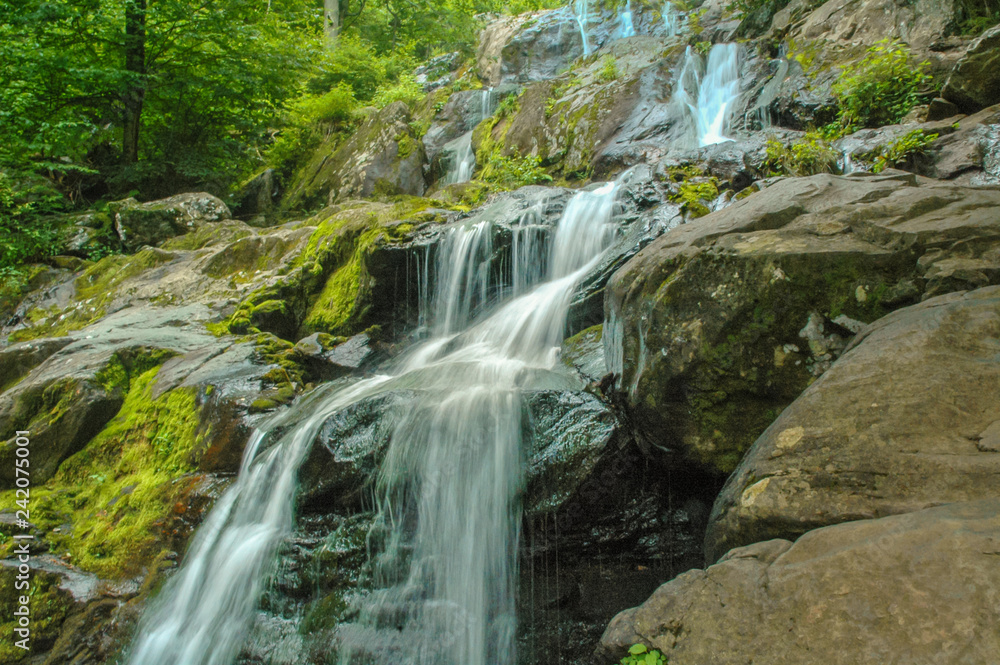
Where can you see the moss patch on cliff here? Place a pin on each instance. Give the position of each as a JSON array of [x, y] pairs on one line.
[[96, 289], [107, 507]]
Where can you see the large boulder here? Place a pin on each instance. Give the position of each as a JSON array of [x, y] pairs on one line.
[[720, 323], [382, 157], [151, 223], [915, 588], [974, 82], [908, 418]]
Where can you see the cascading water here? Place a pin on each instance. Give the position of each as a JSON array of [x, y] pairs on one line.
[[625, 27], [707, 95], [581, 13], [448, 526], [202, 615], [446, 536], [671, 20], [464, 158]]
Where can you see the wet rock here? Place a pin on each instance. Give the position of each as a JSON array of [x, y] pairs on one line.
[[460, 114], [19, 359], [381, 158], [139, 224], [341, 467], [585, 353], [704, 328], [588, 119], [974, 82], [884, 589], [859, 443], [569, 433], [969, 153], [437, 72], [330, 358]]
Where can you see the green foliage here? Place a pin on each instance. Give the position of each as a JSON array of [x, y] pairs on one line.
[[609, 70], [638, 654], [309, 120], [902, 150], [808, 155], [513, 171], [403, 89], [882, 88], [210, 78], [508, 106], [975, 16]]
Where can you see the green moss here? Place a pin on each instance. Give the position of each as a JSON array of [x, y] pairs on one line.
[[694, 195], [49, 606], [96, 289], [111, 501], [609, 70]]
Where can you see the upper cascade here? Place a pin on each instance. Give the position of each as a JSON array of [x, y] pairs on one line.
[[706, 93]]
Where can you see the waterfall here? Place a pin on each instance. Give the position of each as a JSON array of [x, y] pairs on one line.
[[202, 615], [625, 27], [448, 525], [671, 20], [445, 539], [581, 14], [464, 159], [707, 94], [847, 166]]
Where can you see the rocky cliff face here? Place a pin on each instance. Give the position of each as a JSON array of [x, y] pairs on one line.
[[816, 318]]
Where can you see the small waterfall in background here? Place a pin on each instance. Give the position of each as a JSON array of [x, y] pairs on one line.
[[625, 27], [846, 163], [580, 11], [671, 20], [464, 160], [444, 544], [706, 94]]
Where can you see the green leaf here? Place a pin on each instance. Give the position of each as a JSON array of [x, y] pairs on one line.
[[636, 649]]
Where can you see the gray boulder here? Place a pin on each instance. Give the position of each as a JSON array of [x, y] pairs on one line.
[[918, 588], [904, 420]]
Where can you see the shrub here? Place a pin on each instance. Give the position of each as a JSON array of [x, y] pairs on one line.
[[809, 155], [902, 150], [404, 89], [309, 120], [882, 88], [609, 70], [511, 172]]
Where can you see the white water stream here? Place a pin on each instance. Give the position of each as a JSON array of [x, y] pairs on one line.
[[464, 158], [625, 27], [447, 530], [706, 94]]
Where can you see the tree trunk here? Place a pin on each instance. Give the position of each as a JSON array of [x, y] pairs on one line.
[[331, 22], [135, 85]]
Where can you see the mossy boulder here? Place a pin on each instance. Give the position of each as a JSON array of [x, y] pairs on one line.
[[719, 324], [606, 112], [139, 224], [383, 158], [879, 432], [974, 83]]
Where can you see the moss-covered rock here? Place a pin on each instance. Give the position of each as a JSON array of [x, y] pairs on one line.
[[383, 158], [151, 223], [717, 326]]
